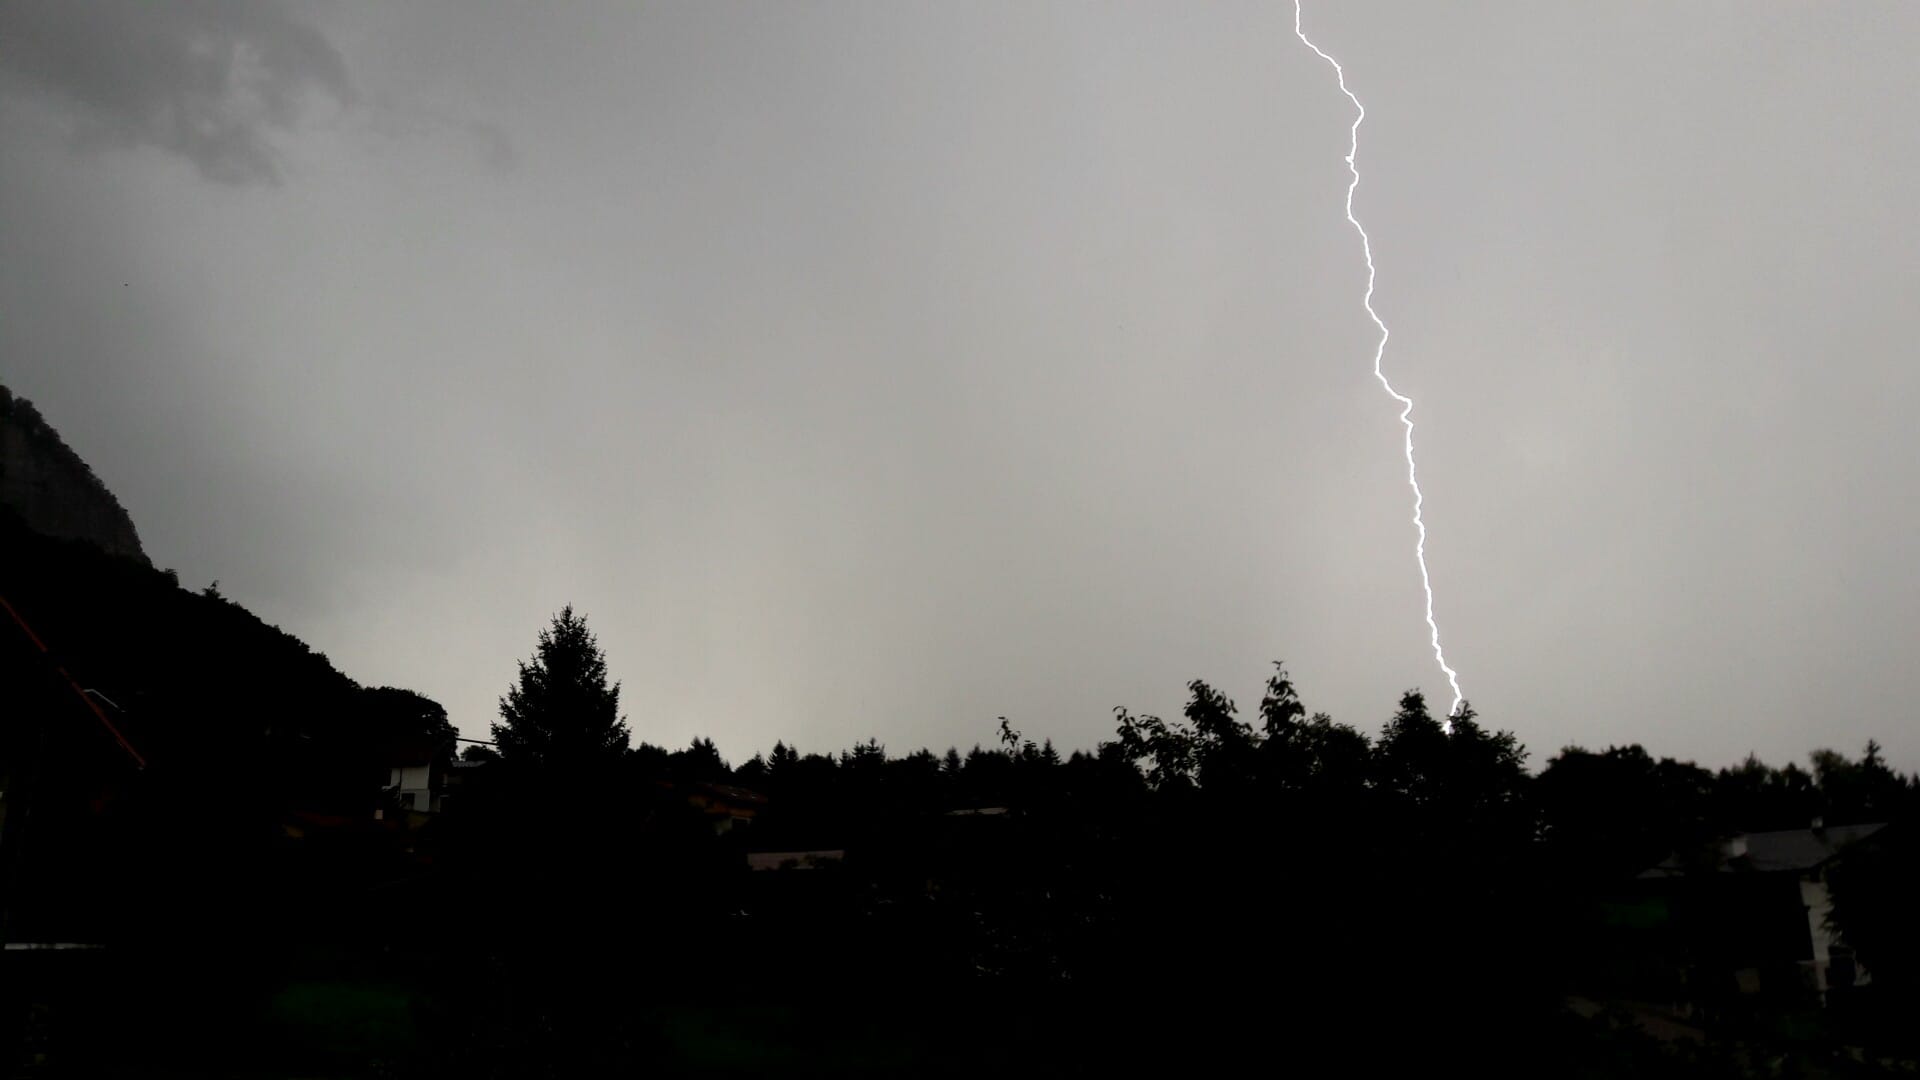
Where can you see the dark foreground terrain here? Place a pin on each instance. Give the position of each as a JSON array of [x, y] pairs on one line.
[[277, 872]]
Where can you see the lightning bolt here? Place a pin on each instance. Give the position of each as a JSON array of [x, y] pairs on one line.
[[1379, 351]]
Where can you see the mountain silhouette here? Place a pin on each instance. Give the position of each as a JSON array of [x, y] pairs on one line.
[[52, 490]]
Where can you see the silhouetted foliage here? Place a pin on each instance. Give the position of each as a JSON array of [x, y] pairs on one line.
[[1876, 896], [214, 803], [1855, 791], [561, 712], [701, 760], [1417, 890], [1620, 811]]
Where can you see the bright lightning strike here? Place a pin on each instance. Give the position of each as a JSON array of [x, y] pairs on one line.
[[1406, 403]]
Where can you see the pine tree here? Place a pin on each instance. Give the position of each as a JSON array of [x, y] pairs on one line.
[[561, 712]]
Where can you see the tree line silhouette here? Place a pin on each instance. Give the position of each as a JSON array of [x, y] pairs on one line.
[[1194, 888], [1322, 871]]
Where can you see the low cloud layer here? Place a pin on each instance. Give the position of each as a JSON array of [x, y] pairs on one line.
[[209, 80]]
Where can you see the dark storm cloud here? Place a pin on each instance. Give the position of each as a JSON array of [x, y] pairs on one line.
[[205, 79]]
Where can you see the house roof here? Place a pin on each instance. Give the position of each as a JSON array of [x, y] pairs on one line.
[[1787, 850]]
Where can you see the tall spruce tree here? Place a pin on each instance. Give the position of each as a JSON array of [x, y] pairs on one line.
[[561, 712]]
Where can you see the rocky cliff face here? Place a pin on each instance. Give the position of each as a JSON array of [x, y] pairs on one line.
[[51, 489]]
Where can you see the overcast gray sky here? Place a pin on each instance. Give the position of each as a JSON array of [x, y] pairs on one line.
[[883, 368]]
